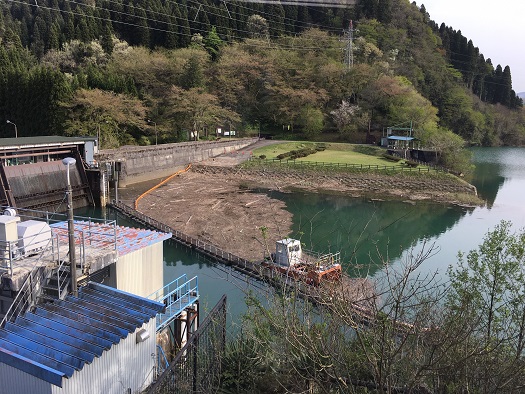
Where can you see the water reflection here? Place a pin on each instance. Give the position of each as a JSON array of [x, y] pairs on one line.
[[363, 230]]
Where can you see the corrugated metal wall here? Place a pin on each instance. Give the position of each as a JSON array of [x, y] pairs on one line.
[[127, 365], [141, 272], [15, 381]]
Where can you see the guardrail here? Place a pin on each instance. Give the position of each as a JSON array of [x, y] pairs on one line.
[[177, 296]]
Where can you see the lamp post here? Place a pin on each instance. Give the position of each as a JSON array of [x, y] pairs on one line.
[[16, 129], [68, 161], [154, 125]]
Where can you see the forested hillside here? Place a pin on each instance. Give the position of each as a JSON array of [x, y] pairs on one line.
[[133, 71]]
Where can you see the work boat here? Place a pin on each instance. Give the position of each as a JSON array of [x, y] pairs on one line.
[[310, 267]]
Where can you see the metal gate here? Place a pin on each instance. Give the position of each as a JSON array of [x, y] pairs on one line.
[[197, 367]]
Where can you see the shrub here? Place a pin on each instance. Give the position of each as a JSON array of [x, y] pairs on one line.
[[262, 157], [411, 163], [391, 157], [368, 150]]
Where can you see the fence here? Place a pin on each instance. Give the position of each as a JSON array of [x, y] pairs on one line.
[[206, 248], [197, 366], [346, 166]]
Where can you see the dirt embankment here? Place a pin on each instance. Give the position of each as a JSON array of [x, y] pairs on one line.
[[218, 205]]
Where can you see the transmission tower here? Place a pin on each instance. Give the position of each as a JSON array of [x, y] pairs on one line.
[[349, 38]]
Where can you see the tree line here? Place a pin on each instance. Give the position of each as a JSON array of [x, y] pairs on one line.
[[122, 69]]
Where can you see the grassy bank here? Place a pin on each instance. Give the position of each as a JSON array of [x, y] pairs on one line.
[[333, 153], [366, 163]]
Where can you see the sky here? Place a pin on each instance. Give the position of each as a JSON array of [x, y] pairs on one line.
[[495, 27]]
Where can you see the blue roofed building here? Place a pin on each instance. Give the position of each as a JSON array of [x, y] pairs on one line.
[[106, 336], [99, 342]]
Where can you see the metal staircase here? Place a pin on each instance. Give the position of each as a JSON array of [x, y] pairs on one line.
[[56, 284]]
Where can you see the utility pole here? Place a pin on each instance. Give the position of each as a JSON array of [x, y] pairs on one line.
[[349, 38], [69, 161]]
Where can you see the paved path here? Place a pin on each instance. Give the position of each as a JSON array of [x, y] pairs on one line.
[[237, 157]]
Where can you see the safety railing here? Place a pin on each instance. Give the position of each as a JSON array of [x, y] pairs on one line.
[[177, 296]]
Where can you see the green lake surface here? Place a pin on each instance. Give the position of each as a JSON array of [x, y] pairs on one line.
[[370, 233]]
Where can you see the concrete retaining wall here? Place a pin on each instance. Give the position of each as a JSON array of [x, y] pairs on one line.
[[141, 163]]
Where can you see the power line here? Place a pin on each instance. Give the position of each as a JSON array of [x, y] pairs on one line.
[[348, 33], [148, 19]]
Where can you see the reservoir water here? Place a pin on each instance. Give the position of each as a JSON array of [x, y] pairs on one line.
[[371, 233], [364, 230]]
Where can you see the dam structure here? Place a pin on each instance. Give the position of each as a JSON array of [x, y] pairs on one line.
[[32, 175]]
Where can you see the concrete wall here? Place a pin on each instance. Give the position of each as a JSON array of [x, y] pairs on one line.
[[141, 163]]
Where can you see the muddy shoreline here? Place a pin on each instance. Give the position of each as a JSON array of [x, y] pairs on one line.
[[220, 205]]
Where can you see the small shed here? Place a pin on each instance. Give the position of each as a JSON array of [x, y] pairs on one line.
[[99, 342], [398, 142]]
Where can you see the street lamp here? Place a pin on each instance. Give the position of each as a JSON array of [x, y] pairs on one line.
[[155, 125], [16, 130], [69, 161]]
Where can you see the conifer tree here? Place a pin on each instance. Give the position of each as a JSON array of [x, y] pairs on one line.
[[170, 36], [141, 35], [106, 40], [213, 43], [497, 85], [184, 26], [506, 87]]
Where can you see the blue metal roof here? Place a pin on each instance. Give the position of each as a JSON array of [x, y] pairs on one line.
[[400, 138], [58, 338]]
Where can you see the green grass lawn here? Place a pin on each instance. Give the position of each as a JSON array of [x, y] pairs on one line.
[[338, 153]]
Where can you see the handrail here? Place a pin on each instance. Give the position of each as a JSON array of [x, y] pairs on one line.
[[177, 300], [53, 217], [160, 293], [26, 292], [160, 352]]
